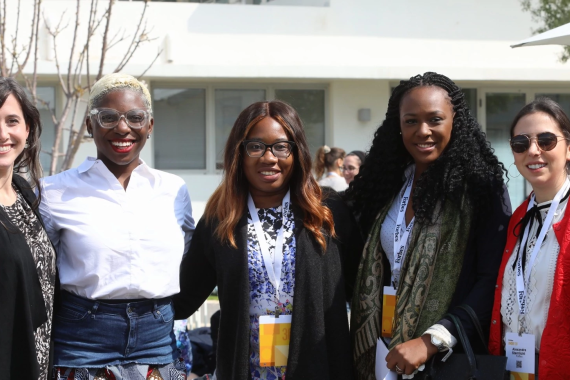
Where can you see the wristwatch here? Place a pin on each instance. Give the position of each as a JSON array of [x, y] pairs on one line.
[[438, 343]]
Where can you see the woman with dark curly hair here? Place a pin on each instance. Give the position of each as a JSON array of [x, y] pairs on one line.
[[432, 200], [275, 244]]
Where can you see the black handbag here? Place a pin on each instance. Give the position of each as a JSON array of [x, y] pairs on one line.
[[465, 366]]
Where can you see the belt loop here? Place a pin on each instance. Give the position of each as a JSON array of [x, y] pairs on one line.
[[155, 303]]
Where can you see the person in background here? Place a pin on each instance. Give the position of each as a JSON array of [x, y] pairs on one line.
[[538, 243], [275, 245], [27, 258], [328, 166], [351, 165], [120, 229], [432, 200]]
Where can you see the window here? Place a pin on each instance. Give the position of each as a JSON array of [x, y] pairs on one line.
[[47, 96], [471, 100], [180, 128], [192, 124], [501, 109], [229, 104], [562, 99], [310, 105]]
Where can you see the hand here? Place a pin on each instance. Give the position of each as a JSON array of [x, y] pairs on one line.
[[410, 355]]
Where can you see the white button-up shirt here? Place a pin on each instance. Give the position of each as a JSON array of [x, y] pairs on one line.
[[114, 243]]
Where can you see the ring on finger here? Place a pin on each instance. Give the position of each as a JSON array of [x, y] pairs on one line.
[[398, 370]]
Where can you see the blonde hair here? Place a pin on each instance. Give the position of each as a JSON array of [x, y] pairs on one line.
[[118, 81]]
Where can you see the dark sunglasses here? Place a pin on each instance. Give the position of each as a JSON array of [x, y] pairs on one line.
[[546, 141]]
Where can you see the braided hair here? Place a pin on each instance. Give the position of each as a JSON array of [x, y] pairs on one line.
[[468, 160]]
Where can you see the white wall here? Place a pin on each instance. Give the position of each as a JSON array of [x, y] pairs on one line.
[[359, 39], [346, 98]]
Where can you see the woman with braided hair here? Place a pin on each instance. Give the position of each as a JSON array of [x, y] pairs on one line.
[[432, 200]]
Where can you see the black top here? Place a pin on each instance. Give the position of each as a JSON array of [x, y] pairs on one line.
[[478, 276], [23, 309], [320, 343]]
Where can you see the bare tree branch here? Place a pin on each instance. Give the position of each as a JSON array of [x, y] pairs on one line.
[[15, 37], [54, 33], [58, 132], [113, 42], [105, 37], [2, 39], [36, 56], [151, 64], [137, 39], [77, 17]]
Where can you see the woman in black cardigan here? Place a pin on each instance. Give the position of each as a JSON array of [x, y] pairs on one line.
[[27, 259], [267, 163]]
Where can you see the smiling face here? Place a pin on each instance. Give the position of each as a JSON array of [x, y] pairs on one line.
[[121, 145], [351, 166], [13, 133], [268, 176], [426, 120], [543, 169]]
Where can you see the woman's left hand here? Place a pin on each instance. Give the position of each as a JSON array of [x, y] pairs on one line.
[[409, 356]]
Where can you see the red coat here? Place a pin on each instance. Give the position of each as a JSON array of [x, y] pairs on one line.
[[555, 343]]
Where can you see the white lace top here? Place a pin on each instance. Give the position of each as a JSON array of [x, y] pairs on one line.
[[541, 279]]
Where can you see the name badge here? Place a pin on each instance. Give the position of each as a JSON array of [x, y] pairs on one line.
[[520, 355], [388, 310], [274, 338]]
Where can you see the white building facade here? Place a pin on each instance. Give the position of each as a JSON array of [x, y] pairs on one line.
[[329, 59]]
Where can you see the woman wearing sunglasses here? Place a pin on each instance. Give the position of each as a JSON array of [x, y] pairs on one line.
[[533, 288], [274, 244], [120, 229]]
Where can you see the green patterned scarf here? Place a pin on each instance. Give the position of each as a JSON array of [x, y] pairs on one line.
[[435, 256]]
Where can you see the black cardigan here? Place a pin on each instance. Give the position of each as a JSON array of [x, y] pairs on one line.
[[320, 344], [21, 299]]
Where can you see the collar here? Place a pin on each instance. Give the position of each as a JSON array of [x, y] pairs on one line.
[[90, 162]]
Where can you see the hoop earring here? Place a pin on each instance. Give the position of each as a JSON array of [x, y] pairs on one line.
[[509, 169], [27, 145], [148, 136]]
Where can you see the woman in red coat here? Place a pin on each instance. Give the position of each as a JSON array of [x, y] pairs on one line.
[[532, 296]]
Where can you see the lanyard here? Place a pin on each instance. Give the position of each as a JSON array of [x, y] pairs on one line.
[[273, 267], [521, 281], [400, 241]]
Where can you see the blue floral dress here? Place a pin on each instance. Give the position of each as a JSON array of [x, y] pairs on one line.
[[262, 293]]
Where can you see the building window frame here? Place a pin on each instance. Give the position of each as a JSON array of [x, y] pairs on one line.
[[210, 110]]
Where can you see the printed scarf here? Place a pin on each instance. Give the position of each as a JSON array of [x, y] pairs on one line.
[[435, 256]]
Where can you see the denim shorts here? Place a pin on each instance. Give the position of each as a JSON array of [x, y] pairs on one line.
[[91, 333]]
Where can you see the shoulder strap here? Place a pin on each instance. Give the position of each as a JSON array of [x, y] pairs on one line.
[[476, 323]]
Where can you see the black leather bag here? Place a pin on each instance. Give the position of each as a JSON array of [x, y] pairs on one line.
[[467, 366]]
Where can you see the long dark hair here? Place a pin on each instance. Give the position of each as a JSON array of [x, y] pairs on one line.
[[228, 202], [468, 161], [28, 161]]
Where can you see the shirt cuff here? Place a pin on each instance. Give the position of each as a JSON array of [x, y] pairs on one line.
[[440, 332]]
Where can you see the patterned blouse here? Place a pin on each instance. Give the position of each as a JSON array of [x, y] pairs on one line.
[[262, 293], [22, 216]]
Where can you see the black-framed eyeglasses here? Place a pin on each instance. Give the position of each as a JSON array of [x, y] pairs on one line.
[[546, 141], [256, 149], [109, 118]]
